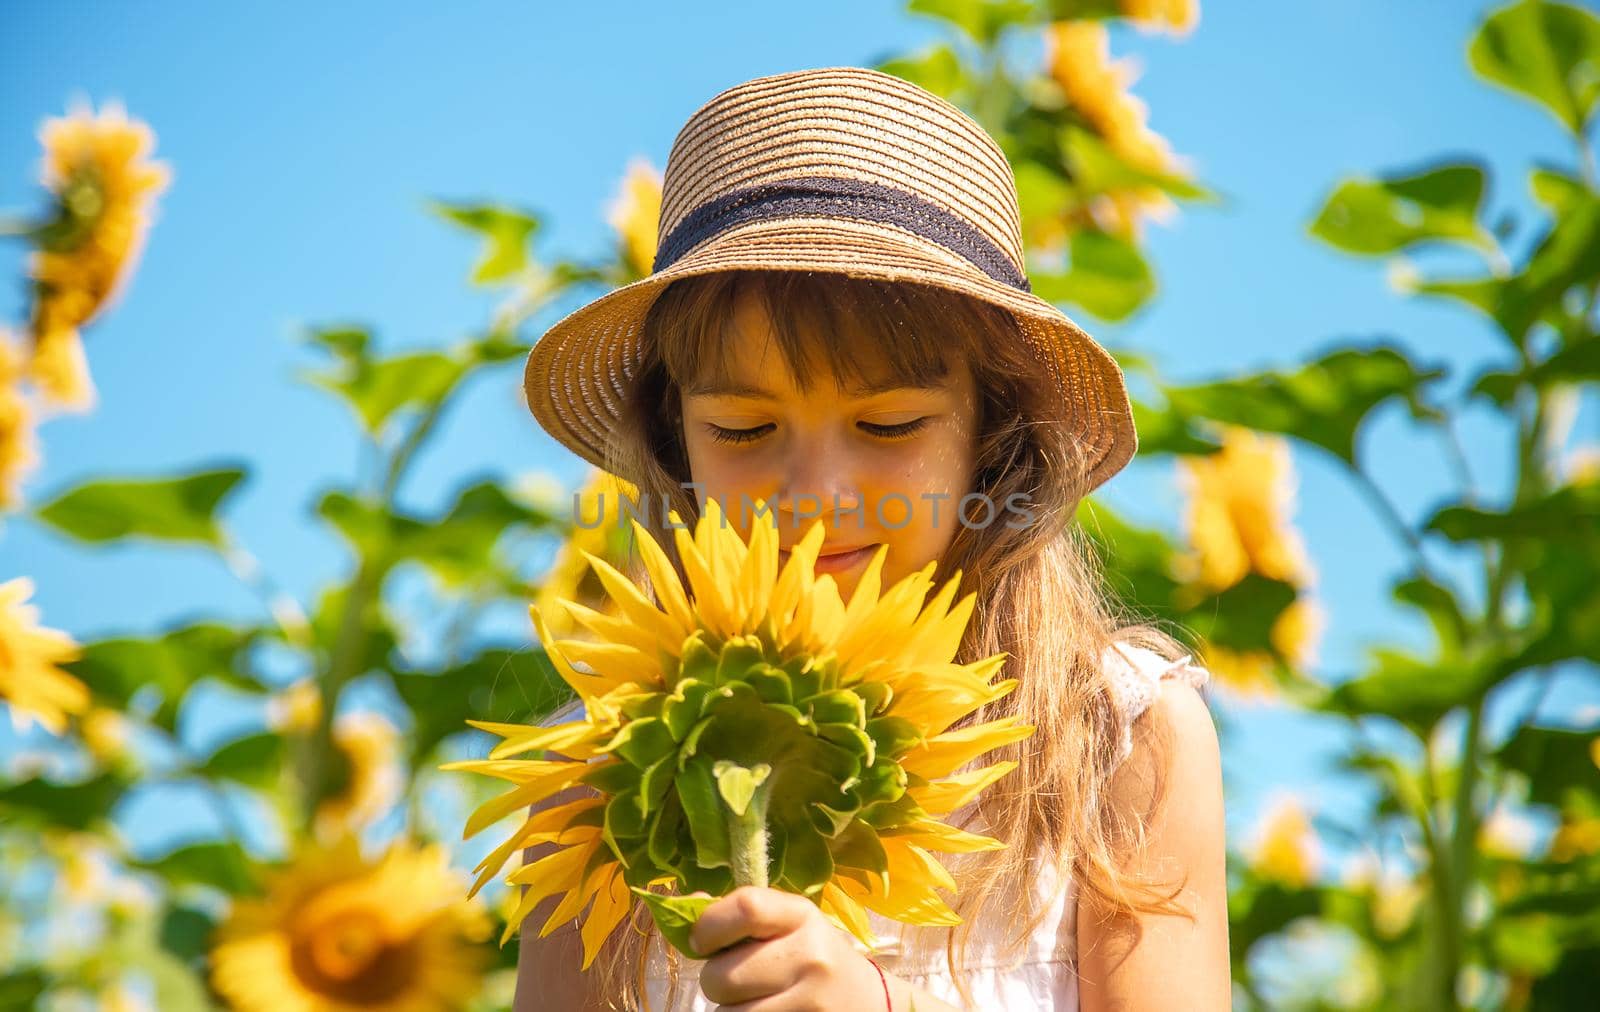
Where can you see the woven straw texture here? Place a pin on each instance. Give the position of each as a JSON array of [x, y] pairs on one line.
[[859, 128]]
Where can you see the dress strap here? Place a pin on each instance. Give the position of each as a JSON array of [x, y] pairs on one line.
[[1135, 674]]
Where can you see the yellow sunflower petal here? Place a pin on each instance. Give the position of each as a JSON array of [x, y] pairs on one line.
[[520, 738], [795, 579], [944, 754], [586, 686], [944, 796], [615, 662], [663, 578], [930, 834], [611, 904], [851, 916], [657, 624]]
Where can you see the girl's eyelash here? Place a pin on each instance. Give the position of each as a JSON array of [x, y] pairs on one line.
[[897, 431], [900, 431], [723, 435]]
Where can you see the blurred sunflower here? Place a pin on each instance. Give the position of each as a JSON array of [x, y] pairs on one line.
[[635, 214], [1078, 59], [1286, 848], [1176, 16], [371, 747], [30, 683], [335, 933], [19, 449], [834, 721], [104, 188], [118, 996], [596, 531], [1392, 899], [1237, 523], [107, 734], [296, 708]]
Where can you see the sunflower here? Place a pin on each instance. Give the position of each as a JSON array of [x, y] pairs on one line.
[[1176, 16], [334, 933], [1079, 61], [1286, 848], [1238, 522], [752, 729], [19, 447], [595, 507], [371, 746], [635, 215], [104, 186], [30, 682]]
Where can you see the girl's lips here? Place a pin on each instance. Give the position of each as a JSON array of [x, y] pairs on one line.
[[838, 563]]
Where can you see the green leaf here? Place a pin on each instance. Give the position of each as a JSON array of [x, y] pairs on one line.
[[498, 684], [1546, 52], [1555, 189], [255, 760], [116, 669], [377, 389], [457, 546], [1241, 617], [79, 805], [1439, 604], [698, 794], [1165, 431], [1413, 690], [981, 20], [1578, 363], [737, 784], [676, 917], [1567, 255], [1108, 277], [1323, 403], [220, 864], [1391, 213], [1556, 761], [1097, 169], [1073, 10], [179, 987], [19, 990], [179, 509], [936, 69], [348, 342], [186, 933], [1138, 561], [1569, 512], [505, 232]]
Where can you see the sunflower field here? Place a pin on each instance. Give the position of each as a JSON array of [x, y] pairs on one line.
[[334, 874]]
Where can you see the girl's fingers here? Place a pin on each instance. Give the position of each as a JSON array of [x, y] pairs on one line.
[[748, 912], [748, 972]]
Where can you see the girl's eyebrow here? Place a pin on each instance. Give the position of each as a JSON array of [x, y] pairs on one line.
[[736, 388]]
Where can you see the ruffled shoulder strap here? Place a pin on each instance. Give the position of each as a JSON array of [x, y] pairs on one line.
[[1135, 674]]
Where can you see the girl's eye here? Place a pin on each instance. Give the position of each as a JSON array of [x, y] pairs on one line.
[[899, 431], [723, 435]]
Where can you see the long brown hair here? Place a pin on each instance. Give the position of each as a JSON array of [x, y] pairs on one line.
[[1040, 595]]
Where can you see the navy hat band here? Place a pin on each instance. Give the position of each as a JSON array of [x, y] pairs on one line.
[[834, 197]]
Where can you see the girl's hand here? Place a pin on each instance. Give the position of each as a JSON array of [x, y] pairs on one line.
[[785, 956]]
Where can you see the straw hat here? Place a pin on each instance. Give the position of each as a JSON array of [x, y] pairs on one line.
[[842, 169]]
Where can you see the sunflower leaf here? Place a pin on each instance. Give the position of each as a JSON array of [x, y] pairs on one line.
[[676, 917]]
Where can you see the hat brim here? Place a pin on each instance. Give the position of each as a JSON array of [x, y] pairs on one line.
[[577, 375]]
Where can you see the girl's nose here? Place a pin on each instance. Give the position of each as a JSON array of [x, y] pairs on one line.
[[818, 481]]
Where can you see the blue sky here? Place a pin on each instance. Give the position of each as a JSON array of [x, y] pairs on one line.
[[305, 139]]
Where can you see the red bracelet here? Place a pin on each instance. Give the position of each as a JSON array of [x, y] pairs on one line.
[[888, 1002]]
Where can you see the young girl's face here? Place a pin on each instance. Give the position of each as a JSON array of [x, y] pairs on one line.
[[876, 466]]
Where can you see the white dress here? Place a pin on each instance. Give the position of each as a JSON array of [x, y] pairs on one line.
[[1041, 978]]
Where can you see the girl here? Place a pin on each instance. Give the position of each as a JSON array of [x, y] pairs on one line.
[[838, 323]]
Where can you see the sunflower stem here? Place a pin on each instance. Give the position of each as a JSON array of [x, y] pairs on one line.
[[744, 793], [747, 836]]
